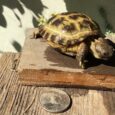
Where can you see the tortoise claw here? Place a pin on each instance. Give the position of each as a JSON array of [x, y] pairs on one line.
[[82, 65]]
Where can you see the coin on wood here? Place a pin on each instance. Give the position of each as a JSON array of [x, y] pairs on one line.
[[54, 100]]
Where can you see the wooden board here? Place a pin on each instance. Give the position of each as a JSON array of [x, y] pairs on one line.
[[42, 65], [18, 99]]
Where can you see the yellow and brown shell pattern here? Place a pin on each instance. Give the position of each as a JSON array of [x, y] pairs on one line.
[[67, 29]]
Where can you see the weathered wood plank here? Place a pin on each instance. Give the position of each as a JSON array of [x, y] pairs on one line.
[[6, 82], [43, 66], [16, 99], [68, 79]]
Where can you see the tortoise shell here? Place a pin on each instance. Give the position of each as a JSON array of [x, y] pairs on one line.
[[69, 28]]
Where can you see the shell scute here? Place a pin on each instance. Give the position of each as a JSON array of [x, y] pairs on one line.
[[57, 22], [69, 28]]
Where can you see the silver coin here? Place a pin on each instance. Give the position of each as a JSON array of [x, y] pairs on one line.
[[54, 100]]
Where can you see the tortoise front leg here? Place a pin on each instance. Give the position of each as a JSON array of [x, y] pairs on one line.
[[82, 51]]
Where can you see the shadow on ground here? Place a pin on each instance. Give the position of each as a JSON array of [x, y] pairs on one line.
[[60, 59], [98, 10], [35, 6], [93, 65]]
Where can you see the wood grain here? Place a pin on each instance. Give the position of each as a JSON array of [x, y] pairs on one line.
[[16, 99], [68, 79], [43, 66]]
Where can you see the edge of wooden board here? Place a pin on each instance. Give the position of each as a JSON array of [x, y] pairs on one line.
[[50, 77]]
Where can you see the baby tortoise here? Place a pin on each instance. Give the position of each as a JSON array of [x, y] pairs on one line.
[[76, 34]]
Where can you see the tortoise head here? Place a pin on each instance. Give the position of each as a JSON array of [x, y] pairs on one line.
[[101, 49]]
